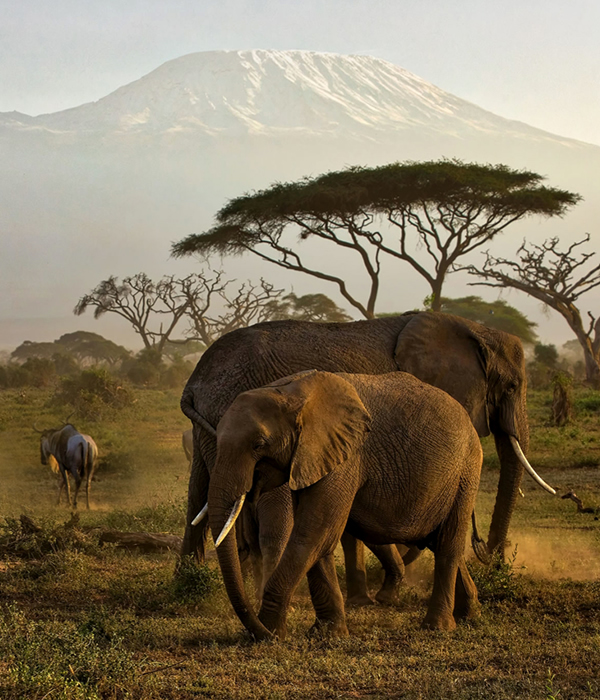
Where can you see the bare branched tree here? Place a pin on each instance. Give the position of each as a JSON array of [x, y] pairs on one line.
[[558, 279], [248, 304], [156, 310]]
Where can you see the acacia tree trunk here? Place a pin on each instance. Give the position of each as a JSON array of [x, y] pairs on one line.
[[591, 347]]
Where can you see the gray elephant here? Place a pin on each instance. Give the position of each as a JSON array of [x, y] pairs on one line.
[[389, 457], [480, 367]]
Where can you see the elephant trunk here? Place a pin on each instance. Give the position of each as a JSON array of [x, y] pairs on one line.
[[220, 506], [511, 473]]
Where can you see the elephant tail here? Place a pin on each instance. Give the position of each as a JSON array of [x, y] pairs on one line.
[[478, 543], [187, 406]]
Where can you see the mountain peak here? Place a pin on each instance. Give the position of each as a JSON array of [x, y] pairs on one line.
[[277, 93]]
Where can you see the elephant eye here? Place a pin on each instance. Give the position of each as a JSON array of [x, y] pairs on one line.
[[260, 443]]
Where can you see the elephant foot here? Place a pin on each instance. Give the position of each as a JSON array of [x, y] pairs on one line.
[[260, 636], [359, 600], [388, 595], [438, 622], [275, 625], [469, 610], [326, 629]]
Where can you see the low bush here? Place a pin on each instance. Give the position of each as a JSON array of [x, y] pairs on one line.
[[588, 402], [195, 581], [36, 372], [497, 581], [24, 538], [93, 393]]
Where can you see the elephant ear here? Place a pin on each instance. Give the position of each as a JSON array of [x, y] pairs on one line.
[[331, 423], [448, 352]]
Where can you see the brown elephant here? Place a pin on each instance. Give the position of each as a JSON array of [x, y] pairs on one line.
[[482, 368], [389, 457]]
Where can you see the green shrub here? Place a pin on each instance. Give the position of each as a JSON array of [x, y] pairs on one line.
[[589, 402], [143, 373], [192, 580], [35, 372], [496, 581], [93, 392]]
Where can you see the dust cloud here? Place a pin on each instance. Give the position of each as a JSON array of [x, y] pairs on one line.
[[554, 554]]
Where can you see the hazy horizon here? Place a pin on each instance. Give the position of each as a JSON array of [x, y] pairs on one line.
[[537, 64]]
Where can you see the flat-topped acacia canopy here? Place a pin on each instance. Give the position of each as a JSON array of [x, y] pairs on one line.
[[451, 206]]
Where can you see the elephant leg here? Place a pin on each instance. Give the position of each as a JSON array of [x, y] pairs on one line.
[[316, 532], [275, 518], [440, 612], [448, 549], [408, 554], [257, 576], [393, 568], [280, 587], [356, 572], [249, 551], [466, 602], [196, 536], [327, 598]]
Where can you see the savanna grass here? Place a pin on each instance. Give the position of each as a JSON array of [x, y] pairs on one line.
[[82, 621]]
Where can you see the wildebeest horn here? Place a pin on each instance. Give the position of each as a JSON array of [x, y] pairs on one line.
[[530, 470], [37, 430], [201, 515], [235, 511], [69, 416]]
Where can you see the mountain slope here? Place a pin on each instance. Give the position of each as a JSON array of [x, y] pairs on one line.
[[104, 188], [270, 92]]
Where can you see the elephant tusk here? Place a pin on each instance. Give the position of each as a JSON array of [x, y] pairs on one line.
[[235, 511], [201, 515], [534, 475]]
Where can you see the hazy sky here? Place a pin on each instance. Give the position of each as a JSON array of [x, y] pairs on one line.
[[533, 60]]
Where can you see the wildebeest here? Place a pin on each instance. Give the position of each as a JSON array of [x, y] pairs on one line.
[[75, 453]]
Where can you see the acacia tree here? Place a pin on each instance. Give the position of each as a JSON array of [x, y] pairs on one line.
[[494, 314], [153, 309], [249, 304], [81, 346], [557, 278], [156, 310], [449, 207], [317, 308]]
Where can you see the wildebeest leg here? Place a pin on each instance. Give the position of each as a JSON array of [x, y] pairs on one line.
[[88, 485], [67, 484]]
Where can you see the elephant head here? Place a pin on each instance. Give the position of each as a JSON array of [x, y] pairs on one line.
[[295, 430], [483, 369]]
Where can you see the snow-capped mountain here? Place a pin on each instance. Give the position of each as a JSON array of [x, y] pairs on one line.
[[104, 188], [277, 92]]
